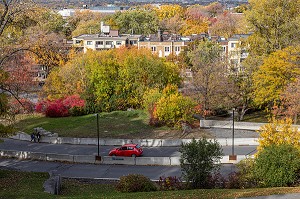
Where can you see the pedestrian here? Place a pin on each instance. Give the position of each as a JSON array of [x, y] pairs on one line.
[[38, 136], [32, 137]]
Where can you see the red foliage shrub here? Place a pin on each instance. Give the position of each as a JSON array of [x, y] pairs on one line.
[[60, 107]]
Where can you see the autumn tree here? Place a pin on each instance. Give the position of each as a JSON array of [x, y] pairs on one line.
[[278, 132], [209, 74], [196, 20], [275, 24], [277, 71], [290, 105], [114, 79], [240, 88], [169, 11], [228, 24]]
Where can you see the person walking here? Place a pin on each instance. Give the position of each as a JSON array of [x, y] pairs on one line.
[[32, 137], [38, 136]]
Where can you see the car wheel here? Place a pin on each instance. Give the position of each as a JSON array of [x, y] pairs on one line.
[[133, 155]]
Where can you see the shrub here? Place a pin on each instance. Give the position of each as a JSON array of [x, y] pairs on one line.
[[56, 109], [174, 108], [170, 183], [135, 183], [277, 166], [199, 160], [6, 130], [70, 105], [244, 177], [77, 111]]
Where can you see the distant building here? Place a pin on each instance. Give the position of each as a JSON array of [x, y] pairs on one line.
[[105, 40], [101, 9]]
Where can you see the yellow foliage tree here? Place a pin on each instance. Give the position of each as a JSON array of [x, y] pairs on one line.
[[278, 132], [278, 70], [169, 11]]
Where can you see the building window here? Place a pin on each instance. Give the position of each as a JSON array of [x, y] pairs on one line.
[[177, 48], [118, 43], [233, 45], [108, 43], [77, 41], [99, 42], [167, 49], [89, 43], [153, 48]]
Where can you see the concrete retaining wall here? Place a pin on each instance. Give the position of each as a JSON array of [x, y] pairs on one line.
[[118, 160], [172, 161]]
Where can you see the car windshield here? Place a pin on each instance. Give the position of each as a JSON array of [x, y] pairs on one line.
[[138, 146]]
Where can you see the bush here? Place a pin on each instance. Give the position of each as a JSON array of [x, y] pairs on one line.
[[135, 183], [70, 105], [244, 177], [170, 183], [199, 160], [175, 108], [277, 166], [6, 130], [77, 111]]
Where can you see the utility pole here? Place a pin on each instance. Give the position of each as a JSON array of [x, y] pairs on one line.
[[232, 156]]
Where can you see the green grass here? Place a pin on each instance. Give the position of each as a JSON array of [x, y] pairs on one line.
[[16, 184], [113, 125], [257, 116]]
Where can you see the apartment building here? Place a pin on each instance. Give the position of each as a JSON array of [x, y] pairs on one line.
[[105, 40]]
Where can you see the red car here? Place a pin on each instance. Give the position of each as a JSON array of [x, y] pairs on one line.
[[131, 150]]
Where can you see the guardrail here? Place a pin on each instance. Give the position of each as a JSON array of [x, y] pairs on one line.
[[90, 159], [142, 142]]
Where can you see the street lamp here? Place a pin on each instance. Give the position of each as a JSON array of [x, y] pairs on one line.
[[98, 157], [232, 156]]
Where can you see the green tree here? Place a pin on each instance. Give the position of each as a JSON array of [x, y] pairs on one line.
[[138, 21], [277, 166], [199, 160]]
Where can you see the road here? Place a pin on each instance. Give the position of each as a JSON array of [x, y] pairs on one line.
[[99, 171], [10, 144]]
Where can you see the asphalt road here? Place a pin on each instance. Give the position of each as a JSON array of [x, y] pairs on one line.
[[99, 171], [10, 144]]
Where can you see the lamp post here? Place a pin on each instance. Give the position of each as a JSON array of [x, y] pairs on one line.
[[98, 157], [232, 156]]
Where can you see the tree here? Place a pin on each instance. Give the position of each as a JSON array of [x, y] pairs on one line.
[[228, 24], [209, 78], [173, 109], [290, 105], [138, 21], [240, 89], [199, 160], [169, 11], [278, 70], [278, 132], [196, 20], [275, 24]]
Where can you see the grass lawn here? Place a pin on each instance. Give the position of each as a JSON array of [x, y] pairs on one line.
[[115, 124], [16, 184], [257, 116]]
